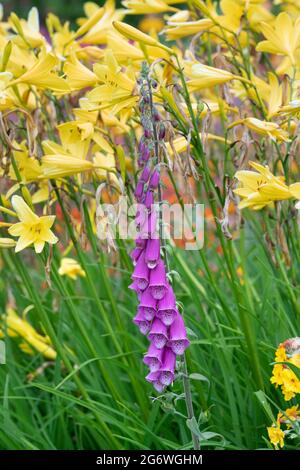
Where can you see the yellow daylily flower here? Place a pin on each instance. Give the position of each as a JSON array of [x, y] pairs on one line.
[[134, 34], [116, 87], [28, 31], [276, 436], [78, 76], [61, 165], [17, 326], [145, 7], [281, 38], [31, 229], [176, 30], [203, 76], [260, 188], [270, 129], [71, 268], [97, 34], [42, 76]]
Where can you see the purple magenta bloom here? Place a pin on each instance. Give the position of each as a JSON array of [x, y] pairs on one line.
[[148, 229], [153, 358], [158, 281], [149, 199], [166, 308], [139, 190], [154, 180], [178, 341], [152, 253], [153, 378], [141, 273], [145, 174], [158, 334], [143, 324], [145, 155], [168, 367], [135, 254], [148, 305], [140, 243]]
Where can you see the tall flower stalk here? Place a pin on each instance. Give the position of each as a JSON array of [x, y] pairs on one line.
[[157, 314]]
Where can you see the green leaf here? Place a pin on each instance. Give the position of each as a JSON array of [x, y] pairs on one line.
[[122, 163]]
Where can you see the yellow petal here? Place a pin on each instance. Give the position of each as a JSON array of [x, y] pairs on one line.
[[23, 211]]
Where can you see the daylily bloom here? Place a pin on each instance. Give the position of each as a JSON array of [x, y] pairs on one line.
[[20, 327], [31, 229], [270, 129], [276, 436], [259, 188], [71, 268], [281, 38]]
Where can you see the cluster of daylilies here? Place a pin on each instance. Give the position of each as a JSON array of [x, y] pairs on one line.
[[286, 378], [225, 78]]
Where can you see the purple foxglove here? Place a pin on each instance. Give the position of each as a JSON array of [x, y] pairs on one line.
[[148, 305], [141, 216], [154, 180], [134, 286], [141, 273], [139, 190], [145, 174], [153, 358], [153, 378], [148, 229], [166, 307], [143, 324], [178, 341], [158, 334], [152, 253], [140, 243], [135, 254], [158, 284], [149, 199], [168, 367]]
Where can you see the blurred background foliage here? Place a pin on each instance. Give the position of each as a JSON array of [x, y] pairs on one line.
[[65, 9]]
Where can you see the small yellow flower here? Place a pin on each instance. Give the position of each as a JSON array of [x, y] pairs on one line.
[[31, 229], [276, 436], [71, 268]]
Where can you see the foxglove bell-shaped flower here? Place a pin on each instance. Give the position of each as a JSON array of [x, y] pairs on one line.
[[158, 334], [152, 254], [153, 377], [158, 281], [141, 273], [148, 305], [153, 358], [166, 308], [178, 341], [168, 367], [143, 324]]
